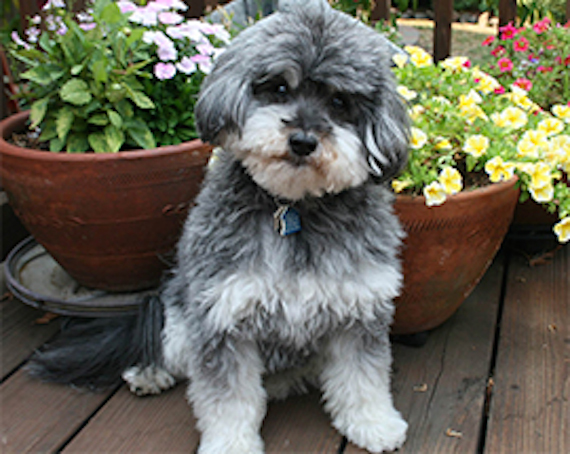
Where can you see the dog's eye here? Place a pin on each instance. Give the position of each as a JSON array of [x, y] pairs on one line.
[[339, 102]]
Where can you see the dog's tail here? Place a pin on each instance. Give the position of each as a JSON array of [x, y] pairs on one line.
[[93, 353]]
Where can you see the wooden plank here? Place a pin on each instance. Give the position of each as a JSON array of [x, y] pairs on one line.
[[127, 423], [299, 425], [441, 386], [165, 424], [20, 333], [39, 417], [530, 410]]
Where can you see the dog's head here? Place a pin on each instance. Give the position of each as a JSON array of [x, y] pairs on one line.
[[306, 101]]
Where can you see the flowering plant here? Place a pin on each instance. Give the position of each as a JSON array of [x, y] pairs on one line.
[[116, 76], [468, 130], [536, 58]]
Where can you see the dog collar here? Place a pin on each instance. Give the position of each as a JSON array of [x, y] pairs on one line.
[[286, 220]]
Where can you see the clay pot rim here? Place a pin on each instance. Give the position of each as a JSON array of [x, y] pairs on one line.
[[13, 122], [479, 191]]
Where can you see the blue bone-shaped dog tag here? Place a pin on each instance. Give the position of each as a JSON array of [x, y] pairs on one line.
[[287, 220]]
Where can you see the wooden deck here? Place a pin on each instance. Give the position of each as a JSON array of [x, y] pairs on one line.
[[493, 379]]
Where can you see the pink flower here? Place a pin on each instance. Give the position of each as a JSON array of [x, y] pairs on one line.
[[541, 26], [567, 61], [521, 45], [169, 18], [523, 83], [544, 69], [505, 64], [508, 31], [164, 71], [87, 26], [19, 41], [126, 6], [499, 90], [499, 50], [467, 64], [204, 63], [488, 40], [186, 65]]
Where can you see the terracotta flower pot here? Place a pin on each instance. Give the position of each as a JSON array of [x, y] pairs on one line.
[[108, 219], [447, 251]]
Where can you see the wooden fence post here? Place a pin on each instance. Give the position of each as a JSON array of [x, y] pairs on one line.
[[507, 12], [381, 10], [443, 10]]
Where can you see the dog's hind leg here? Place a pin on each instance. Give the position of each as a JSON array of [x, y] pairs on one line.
[[356, 388], [228, 397]]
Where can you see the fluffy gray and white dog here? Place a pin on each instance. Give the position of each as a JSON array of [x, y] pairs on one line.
[[288, 263]]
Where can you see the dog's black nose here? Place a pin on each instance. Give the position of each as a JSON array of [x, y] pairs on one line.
[[303, 144]]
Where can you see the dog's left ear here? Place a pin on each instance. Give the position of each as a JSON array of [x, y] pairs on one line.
[[385, 135], [223, 100]]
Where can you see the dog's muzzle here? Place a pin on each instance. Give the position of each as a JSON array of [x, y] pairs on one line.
[[302, 144]]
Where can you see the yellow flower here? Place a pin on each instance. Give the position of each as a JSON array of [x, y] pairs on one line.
[[558, 150], [476, 145], [406, 93], [418, 138], [450, 180], [419, 57], [527, 148], [400, 60], [473, 112], [562, 230], [498, 170], [539, 175], [562, 111], [488, 84], [500, 120], [551, 126], [469, 100], [455, 64], [542, 194], [443, 144], [398, 186], [416, 111], [536, 137], [515, 117], [434, 194]]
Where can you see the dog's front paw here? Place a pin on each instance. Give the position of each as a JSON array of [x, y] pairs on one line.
[[376, 435], [237, 443], [148, 380]]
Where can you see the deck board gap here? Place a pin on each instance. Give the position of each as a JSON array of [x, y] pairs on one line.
[[88, 419], [506, 257]]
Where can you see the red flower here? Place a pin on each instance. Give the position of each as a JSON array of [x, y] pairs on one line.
[[489, 39], [499, 90], [508, 31], [521, 45], [505, 64], [523, 83], [499, 50], [567, 61]]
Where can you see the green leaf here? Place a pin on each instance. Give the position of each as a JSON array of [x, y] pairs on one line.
[[77, 69], [43, 75], [135, 36], [140, 99], [115, 138], [100, 71], [63, 122], [56, 145], [99, 120], [38, 111], [76, 92], [111, 14], [48, 131], [141, 134], [98, 142], [125, 108], [115, 119], [77, 143]]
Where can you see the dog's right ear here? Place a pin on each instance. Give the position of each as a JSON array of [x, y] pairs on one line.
[[224, 98]]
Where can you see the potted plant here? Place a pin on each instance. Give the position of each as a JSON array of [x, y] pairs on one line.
[[98, 83], [474, 146]]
